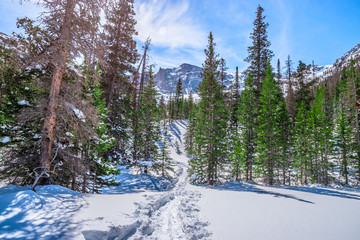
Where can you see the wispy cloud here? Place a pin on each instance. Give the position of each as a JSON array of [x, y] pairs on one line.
[[283, 46], [168, 24]]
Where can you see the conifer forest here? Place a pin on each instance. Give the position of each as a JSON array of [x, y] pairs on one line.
[[82, 108]]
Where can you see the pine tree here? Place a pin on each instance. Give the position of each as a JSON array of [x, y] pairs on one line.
[[235, 100], [246, 114], [165, 161], [320, 133], [285, 157], [223, 69], [302, 143], [278, 72], [342, 136], [179, 100], [190, 132], [354, 81], [303, 87], [148, 118], [70, 27], [269, 130], [210, 126], [290, 98], [121, 53], [259, 52]]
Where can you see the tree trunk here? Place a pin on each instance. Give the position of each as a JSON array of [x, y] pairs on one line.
[[50, 120]]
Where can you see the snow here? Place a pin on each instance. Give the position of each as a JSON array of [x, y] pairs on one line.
[[24, 103], [45, 214], [79, 114], [257, 212], [147, 207], [5, 139]]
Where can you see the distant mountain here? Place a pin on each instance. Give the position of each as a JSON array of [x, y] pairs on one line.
[[167, 78], [328, 71]]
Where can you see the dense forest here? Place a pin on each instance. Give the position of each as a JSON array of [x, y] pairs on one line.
[[77, 99]]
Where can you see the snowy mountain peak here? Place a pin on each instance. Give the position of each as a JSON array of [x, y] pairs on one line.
[[166, 78], [353, 53]]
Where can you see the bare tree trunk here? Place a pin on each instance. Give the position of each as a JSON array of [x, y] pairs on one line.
[[50, 120], [142, 80]]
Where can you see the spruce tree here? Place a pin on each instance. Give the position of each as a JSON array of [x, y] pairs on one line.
[[247, 112], [120, 53], [302, 143], [354, 81], [147, 126], [259, 52], [210, 126], [190, 146], [165, 164], [179, 100], [269, 130], [320, 133], [290, 98]]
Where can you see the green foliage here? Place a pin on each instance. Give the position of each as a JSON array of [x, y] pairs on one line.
[[244, 150], [259, 53], [165, 164], [147, 127], [210, 125], [269, 130]]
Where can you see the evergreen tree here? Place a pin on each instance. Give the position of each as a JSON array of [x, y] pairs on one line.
[[320, 133], [165, 161], [69, 23], [223, 69], [190, 132], [121, 53], [303, 87], [342, 136], [290, 98], [302, 143], [147, 126], [278, 72], [120, 56], [259, 52], [210, 126], [247, 112], [269, 130], [179, 100], [285, 157], [235, 100], [354, 81]]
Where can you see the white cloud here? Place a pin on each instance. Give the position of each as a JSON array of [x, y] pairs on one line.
[[168, 24], [283, 46]]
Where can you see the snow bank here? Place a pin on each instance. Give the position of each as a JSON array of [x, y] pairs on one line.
[[247, 211], [44, 214]]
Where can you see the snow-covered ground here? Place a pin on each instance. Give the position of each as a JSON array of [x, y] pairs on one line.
[[145, 207]]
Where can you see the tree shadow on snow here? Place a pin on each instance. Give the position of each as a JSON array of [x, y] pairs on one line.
[[175, 131], [25, 214], [247, 187], [322, 191], [134, 183]]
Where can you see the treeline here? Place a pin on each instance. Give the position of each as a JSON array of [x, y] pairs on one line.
[[77, 99], [285, 127]]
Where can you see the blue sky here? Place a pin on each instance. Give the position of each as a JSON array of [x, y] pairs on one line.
[[319, 30]]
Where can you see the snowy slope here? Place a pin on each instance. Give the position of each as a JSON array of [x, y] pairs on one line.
[[145, 207]]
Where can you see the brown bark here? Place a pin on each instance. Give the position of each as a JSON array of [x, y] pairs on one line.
[[50, 119]]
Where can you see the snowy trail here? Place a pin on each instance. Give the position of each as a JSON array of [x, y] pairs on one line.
[[173, 214]]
